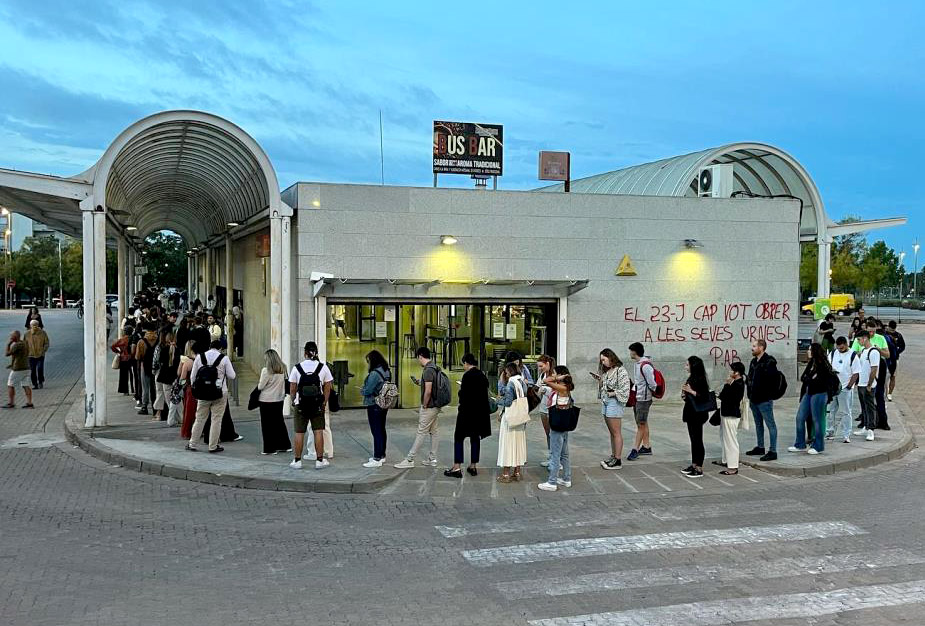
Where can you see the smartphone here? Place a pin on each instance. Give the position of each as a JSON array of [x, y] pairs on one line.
[[415, 380], [595, 376]]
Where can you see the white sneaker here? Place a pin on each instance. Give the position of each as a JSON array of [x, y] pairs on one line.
[[870, 435], [847, 440], [404, 464], [323, 463], [795, 449], [861, 432], [545, 464], [296, 464], [812, 451], [430, 462], [889, 397], [547, 487], [563, 483], [372, 463]]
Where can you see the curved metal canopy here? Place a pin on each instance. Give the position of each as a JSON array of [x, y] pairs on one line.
[[758, 168]]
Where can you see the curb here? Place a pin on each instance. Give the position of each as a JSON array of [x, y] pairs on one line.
[[891, 453], [77, 435]]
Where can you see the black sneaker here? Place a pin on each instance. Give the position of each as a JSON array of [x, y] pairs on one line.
[[770, 456], [612, 463], [644, 450], [756, 451], [633, 455], [687, 470], [143, 412], [217, 449], [695, 473]]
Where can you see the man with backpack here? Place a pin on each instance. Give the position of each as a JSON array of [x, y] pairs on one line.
[[900, 343], [847, 366], [880, 343], [310, 387], [646, 386], [435, 394], [765, 385], [869, 358], [209, 384]]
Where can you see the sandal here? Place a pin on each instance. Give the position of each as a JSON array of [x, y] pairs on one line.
[[28, 406], [720, 463], [517, 476], [504, 478], [729, 472]]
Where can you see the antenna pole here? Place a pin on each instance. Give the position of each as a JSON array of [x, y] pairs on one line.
[[381, 153]]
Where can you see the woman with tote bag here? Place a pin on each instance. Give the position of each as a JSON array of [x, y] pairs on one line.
[[512, 437], [561, 384]]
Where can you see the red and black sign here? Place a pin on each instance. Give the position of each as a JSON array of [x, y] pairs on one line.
[[464, 148]]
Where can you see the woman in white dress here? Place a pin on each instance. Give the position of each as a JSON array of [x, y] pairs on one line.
[[512, 441]]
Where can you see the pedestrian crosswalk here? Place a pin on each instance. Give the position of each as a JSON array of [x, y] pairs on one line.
[[728, 573]]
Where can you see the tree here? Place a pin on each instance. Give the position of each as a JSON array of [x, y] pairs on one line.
[[809, 255], [165, 257], [882, 263], [34, 267]]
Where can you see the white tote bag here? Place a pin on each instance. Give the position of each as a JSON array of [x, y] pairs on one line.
[[745, 423], [518, 413]]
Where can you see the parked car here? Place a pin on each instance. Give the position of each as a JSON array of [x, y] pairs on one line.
[[112, 298], [71, 304]]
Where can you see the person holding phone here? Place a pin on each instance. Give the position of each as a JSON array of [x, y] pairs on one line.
[[613, 391], [545, 366], [694, 392]]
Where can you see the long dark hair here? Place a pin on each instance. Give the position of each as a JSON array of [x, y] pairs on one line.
[[375, 359], [561, 370], [612, 357], [818, 359], [698, 376]]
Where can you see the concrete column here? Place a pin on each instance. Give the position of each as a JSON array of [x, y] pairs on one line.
[[286, 288], [206, 276], [824, 263], [94, 282], [562, 352], [121, 273], [276, 286], [229, 291]]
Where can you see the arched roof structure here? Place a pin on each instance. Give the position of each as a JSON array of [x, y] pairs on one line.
[[758, 168]]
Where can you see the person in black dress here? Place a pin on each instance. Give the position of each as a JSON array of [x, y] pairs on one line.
[[473, 419], [695, 392]]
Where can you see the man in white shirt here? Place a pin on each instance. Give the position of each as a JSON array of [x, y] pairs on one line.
[[847, 366], [226, 372], [310, 386], [215, 329], [867, 384]]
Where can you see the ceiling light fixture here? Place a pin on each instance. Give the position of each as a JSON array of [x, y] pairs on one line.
[[131, 228], [448, 240], [692, 243], [233, 224]]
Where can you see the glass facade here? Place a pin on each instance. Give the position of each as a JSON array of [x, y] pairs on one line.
[[448, 330]]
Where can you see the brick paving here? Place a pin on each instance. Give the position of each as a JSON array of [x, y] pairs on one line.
[[82, 542]]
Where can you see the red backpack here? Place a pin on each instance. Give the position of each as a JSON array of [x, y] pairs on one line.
[[659, 390]]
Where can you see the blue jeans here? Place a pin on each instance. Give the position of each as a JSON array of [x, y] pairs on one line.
[[812, 407], [558, 456], [763, 412], [475, 445], [376, 416], [840, 412]]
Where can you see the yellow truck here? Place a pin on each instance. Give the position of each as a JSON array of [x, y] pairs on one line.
[[839, 304]]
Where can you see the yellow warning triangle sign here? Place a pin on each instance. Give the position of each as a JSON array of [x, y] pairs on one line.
[[626, 267]]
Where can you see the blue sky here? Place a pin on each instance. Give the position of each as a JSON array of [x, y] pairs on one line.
[[839, 85]]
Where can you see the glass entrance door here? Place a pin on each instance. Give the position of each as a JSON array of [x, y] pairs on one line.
[[374, 327]]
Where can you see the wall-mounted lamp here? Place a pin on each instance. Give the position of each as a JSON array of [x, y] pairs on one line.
[[448, 240], [316, 202], [692, 243]]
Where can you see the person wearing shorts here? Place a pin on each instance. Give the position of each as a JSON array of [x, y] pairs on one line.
[[19, 370], [643, 383], [309, 415], [613, 392]]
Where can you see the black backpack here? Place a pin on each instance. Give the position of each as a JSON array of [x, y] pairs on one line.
[[310, 389], [207, 385]]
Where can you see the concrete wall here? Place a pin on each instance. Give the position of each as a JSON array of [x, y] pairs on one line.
[[677, 304]]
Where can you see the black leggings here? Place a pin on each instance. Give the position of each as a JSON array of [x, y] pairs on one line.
[[475, 445], [695, 432]]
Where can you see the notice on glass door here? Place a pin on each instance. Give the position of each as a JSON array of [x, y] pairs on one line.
[[497, 330], [382, 330], [512, 331], [390, 313]]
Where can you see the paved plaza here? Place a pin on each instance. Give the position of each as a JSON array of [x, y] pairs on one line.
[[84, 541]]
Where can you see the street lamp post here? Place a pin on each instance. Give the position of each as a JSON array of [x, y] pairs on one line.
[[902, 275], [60, 276], [915, 270]]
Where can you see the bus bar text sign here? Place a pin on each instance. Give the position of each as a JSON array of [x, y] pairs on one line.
[[467, 148]]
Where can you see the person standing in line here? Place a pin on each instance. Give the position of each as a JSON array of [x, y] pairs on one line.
[[847, 365], [512, 440], [545, 366], [339, 313], [900, 342], [562, 385], [19, 370], [210, 304], [695, 392], [166, 374], [379, 374], [37, 344], [238, 326], [473, 419], [762, 384], [34, 314], [879, 342], [815, 380], [272, 386], [730, 412], [121, 347], [144, 355], [867, 384], [225, 372], [613, 392], [644, 384], [427, 419], [189, 402], [215, 329], [310, 387]]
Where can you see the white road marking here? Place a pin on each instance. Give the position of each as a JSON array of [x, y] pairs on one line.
[[723, 612], [693, 482], [728, 484], [643, 578], [598, 546], [662, 485], [662, 513], [623, 480], [745, 477]]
